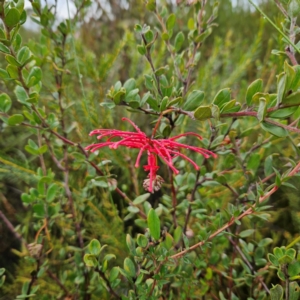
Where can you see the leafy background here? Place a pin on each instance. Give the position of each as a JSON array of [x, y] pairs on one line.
[[237, 53]]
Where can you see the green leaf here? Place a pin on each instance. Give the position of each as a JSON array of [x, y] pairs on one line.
[[94, 247], [273, 129], [129, 85], [149, 35], [262, 109], [282, 113], [35, 76], [278, 252], [51, 192], [294, 268], [292, 99], [177, 234], [141, 49], [255, 87], [21, 94], [2, 270], [290, 76], [90, 260], [130, 244], [15, 120], [12, 18], [23, 55], [291, 253], [114, 273], [140, 199], [129, 267], [31, 150], [222, 97], [12, 71], [246, 233], [179, 39], [168, 242], [151, 5], [3, 74], [294, 291], [162, 70], [4, 49], [276, 292], [281, 85], [165, 36], [171, 22], [5, 102], [142, 240], [203, 113], [153, 224], [11, 60], [273, 259], [194, 99]]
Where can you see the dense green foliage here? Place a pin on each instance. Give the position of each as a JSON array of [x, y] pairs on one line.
[[77, 224]]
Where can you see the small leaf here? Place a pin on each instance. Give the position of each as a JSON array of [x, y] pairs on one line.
[[281, 85], [140, 199], [51, 192], [262, 109], [171, 22], [153, 224], [12, 71], [12, 17], [5, 102], [194, 99], [4, 49], [90, 260], [282, 113], [21, 94], [294, 268], [168, 242], [276, 292], [94, 247], [15, 120], [130, 244], [273, 129], [23, 55], [179, 39], [273, 259], [114, 273], [141, 49], [222, 97], [142, 240], [129, 267], [246, 233], [162, 70], [292, 99], [294, 291], [203, 113], [177, 234], [255, 87], [35, 76]]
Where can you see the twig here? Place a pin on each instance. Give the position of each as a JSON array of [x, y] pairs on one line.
[[244, 258], [59, 283], [109, 287], [279, 5], [10, 226], [249, 211]]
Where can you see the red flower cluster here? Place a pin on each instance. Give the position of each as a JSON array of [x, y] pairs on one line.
[[166, 149]]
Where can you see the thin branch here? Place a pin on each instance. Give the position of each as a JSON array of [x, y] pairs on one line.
[[109, 287], [249, 211], [59, 283], [244, 258]]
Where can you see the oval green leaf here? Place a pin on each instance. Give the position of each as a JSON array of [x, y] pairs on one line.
[[153, 224]]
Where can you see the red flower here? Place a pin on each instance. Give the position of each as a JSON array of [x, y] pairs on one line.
[[166, 149]]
